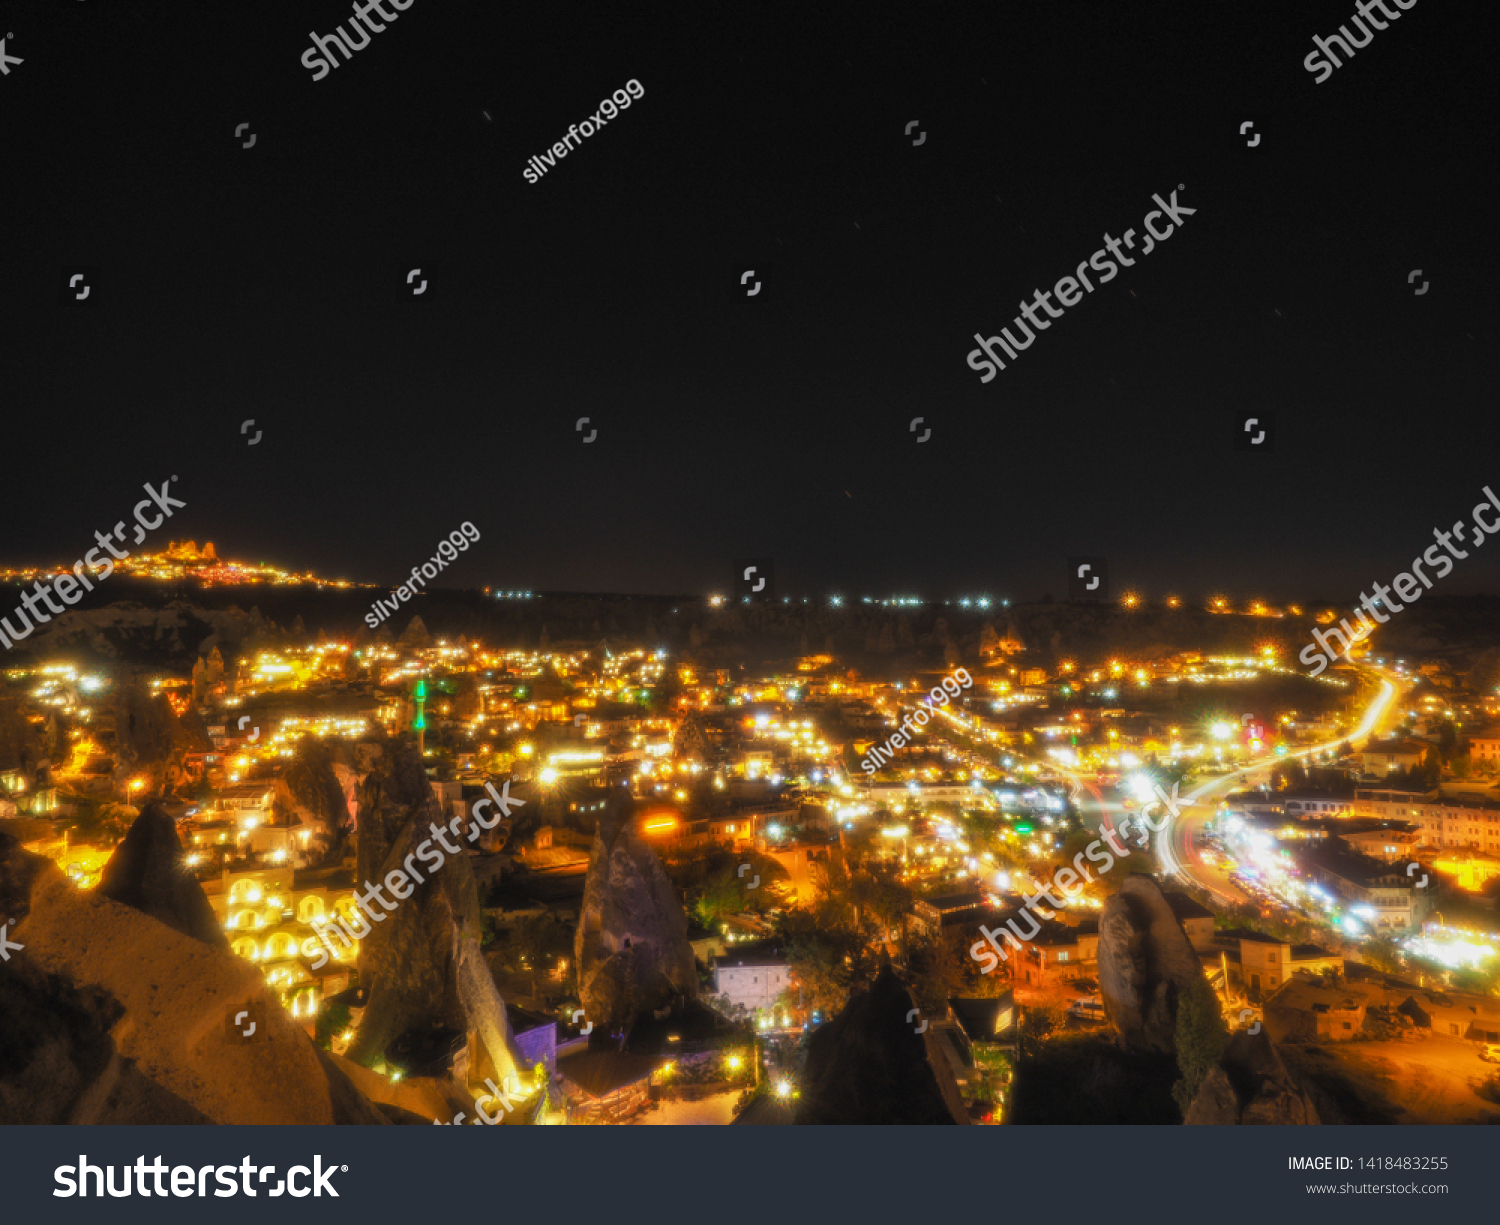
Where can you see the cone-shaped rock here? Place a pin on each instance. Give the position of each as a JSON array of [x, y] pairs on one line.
[[632, 945], [149, 872], [107, 1015], [422, 959], [870, 1064], [1145, 962]]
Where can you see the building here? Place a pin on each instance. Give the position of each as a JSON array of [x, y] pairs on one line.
[[1197, 921], [931, 914], [1255, 965], [986, 1020], [753, 978], [1484, 748], [1059, 954], [1303, 1009], [1381, 757], [1377, 893], [268, 915], [1458, 1014], [1471, 871], [1316, 806], [1392, 844], [920, 794], [1457, 821], [974, 1039]]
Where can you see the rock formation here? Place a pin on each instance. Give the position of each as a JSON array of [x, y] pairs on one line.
[[422, 961], [147, 872], [870, 1065], [143, 729], [1251, 1085], [317, 788], [632, 945], [1145, 961], [415, 635], [109, 1016]]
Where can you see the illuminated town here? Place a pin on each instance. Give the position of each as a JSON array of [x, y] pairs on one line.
[[691, 843]]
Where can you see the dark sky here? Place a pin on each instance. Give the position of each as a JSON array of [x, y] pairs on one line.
[[269, 283]]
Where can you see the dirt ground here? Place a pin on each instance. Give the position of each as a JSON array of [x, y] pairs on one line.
[[1429, 1081], [715, 1111]]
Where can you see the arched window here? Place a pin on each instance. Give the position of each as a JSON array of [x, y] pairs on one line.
[[280, 947]]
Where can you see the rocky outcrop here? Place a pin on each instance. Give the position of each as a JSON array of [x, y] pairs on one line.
[[21, 744], [415, 635], [176, 632], [143, 725], [317, 789], [632, 945], [871, 1065], [421, 1098], [1145, 963], [109, 1016], [422, 960], [1251, 1085], [148, 872]]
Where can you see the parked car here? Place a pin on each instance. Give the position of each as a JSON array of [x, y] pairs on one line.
[[1489, 1052], [1088, 1010]]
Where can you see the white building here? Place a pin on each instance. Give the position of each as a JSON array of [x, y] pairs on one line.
[[753, 980], [1448, 821]]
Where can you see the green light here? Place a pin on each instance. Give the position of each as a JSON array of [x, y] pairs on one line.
[[421, 690], [1023, 829]]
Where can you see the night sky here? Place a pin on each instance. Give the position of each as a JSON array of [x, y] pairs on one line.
[[269, 283]]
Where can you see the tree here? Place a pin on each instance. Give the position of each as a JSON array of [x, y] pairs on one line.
[[536, 941], [332, 1021], [722, 894], [827, 960], [936, 975], [1447, 738], [1035, 1026], [1201, 1038], [101, 822], [1382, 953]]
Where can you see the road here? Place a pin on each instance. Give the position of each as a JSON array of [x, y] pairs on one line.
[[1175, 847]]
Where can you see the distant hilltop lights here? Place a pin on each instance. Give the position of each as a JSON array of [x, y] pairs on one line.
[[185, 560]]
